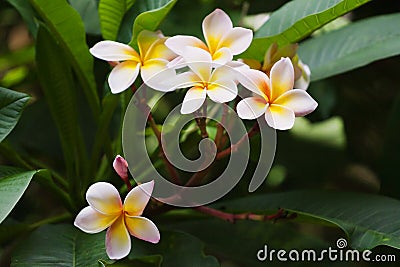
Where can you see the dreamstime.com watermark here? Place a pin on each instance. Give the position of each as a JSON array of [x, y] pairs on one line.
[[340, 253]]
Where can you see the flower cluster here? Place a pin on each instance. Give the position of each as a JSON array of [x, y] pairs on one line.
[[207, 69]]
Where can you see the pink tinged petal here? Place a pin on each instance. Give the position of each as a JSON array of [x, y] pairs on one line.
[[91, 221], [237, 40], [179, 43], [121, 167], [222, 91], [123, 76], [221, 57], [104, 198], [199, 61], [193, 100], [255, 81], [279, 117], [282, 77], [118, 241], [142, 228], [137, 199], [215, 26], [297, 100], [114, 51], [251, 108], [155, 73]]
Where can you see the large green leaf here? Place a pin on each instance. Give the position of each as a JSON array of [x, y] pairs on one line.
[[67, 28], [296, 20], [58, 86], [352, 46], [87, 9], [174, 249], [368, 220], [60, 245], [111, 13], [12, 187], [27, 13], [153, 13], [11, 105]]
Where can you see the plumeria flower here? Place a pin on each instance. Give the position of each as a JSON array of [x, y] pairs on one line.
[[106, 210], [151, 60], [218, 84], [274, 97], [120, 166], [223, 41]]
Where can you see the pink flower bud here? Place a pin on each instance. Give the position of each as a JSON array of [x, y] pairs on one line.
[[121, 167]]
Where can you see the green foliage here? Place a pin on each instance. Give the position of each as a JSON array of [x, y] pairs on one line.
[[12, 187], [87, 9], [349, 211], [27, 13], [11, 105], [353, 46], [295, 21], [64, 245]]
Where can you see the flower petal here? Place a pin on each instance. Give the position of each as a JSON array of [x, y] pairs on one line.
[[297, 100], [251, 108], [145, 40], [256, 81], [183, 80], [123, 75], [222, 56], [237, 40], [193, 100], [121, 167], [155, 73], [282, 77], [104, 198], [215, 26], [304, 81], [142, 228], [222, 91], [114, 51], [279, 117], [178, 43], [137, 199], [199, 61], [118, 241], [91, 221]]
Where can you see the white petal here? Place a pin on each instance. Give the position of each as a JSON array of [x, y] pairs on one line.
[[279, 117], [113, 51], [155, 73], [193, 100], [142, 228], [183, 80], [237, 40], [199, 61], [176, 63], [251, 108], [104, 198], [255, 81], [282, 77], [215, 26], [123, 75], [91, 221], [118, 241], [304, 81], [222, 91], [297, 100], [178, 43], [221, 57], [137, 199]]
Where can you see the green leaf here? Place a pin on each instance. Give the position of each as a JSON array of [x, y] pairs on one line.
[[27, 13], [67, 28], [57, 83], [353, 46], [111, 13], [153, 13], [60, 245], [11, 105], [87, 9], [368, 220], [174, 249], [295, 21], [12, 187]]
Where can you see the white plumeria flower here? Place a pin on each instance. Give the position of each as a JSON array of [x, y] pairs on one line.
[[218, 84], [304, 80], [106, 210], [274, 97], [151, 60], [223, 41]]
